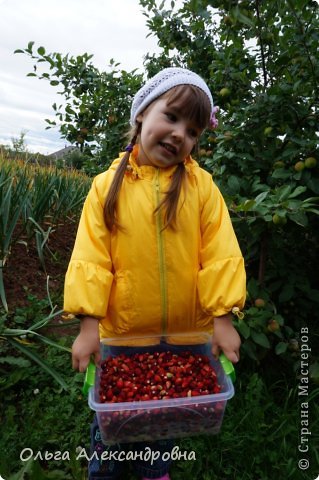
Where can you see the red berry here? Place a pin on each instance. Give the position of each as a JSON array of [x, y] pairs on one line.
[[119, 383]]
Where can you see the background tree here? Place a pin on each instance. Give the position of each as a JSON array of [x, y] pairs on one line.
[[95, 111], [18, 144], [260, 61]]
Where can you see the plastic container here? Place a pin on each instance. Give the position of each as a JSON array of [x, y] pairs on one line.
[[159, 419]]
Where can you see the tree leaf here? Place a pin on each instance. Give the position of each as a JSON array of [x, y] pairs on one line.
[[286, 293], [260, 338], [297, 191], [30, 45], [242, 18], [244, 329], [281, 347], [261, 197], [300, 218], [233, 184]]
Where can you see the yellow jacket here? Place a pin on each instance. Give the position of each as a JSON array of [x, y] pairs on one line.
[[146, 280]]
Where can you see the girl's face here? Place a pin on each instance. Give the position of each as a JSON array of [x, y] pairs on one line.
[[167, 136]]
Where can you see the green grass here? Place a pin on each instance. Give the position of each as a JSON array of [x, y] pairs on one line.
[[258, 441]]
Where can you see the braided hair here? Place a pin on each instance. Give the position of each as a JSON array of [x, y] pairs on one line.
[[112, 196]]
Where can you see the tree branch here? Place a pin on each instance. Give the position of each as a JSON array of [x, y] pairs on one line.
[[261, 43]]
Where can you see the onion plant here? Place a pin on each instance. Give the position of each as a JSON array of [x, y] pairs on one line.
[[33, 201]]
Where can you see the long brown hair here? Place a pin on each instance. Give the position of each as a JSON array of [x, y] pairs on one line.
[[113, 193], [195, 105]]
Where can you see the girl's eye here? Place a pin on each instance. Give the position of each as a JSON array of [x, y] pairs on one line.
[[193, 133], [171, 116]]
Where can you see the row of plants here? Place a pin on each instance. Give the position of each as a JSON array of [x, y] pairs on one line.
[[33, 201]]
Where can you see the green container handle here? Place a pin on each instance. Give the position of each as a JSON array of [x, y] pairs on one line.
[[89, 377], [228, 367]]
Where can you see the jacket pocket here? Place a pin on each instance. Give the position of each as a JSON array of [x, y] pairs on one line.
[[121, 304]]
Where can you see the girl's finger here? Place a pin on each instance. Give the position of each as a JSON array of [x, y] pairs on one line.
[[75, 363], [215, 351], [97, 358]]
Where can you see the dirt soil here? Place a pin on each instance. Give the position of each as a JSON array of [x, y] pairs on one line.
[[24, 275]]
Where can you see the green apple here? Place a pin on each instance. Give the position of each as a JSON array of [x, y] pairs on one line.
[[260, 302], [267, 130], [310, 162], [278, 220], [279, 164], [224, 92], [299, 166], [228, 136], [273, 326]]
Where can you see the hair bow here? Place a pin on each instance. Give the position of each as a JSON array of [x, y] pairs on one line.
[[213, 119]]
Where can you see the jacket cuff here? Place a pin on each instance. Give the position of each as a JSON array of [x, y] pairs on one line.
[[87, 289], [222, 276]]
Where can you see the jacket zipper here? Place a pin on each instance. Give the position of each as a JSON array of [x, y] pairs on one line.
[[161, 254]]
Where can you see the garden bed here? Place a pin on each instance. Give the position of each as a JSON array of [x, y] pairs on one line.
[[24, 274]]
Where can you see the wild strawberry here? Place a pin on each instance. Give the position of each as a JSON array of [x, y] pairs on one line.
[[195, 393], [119, 383], [185, 383], [109, 394]]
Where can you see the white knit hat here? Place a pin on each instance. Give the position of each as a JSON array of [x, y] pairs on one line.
[[161, 83]]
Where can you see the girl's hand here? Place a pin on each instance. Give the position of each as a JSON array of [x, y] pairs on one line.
[[87, 343], [226, 338]]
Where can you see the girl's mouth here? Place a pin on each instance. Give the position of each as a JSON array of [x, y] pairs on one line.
[[170, 148]]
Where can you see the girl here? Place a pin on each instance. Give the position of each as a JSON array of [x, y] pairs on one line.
[[155, 251]]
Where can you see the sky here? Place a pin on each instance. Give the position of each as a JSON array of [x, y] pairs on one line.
[[105, 28]]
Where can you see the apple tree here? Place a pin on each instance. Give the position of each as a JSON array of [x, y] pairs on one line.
[[95, 108], [260, 60]]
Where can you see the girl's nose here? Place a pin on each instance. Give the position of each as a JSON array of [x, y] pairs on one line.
[[178, 131]]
